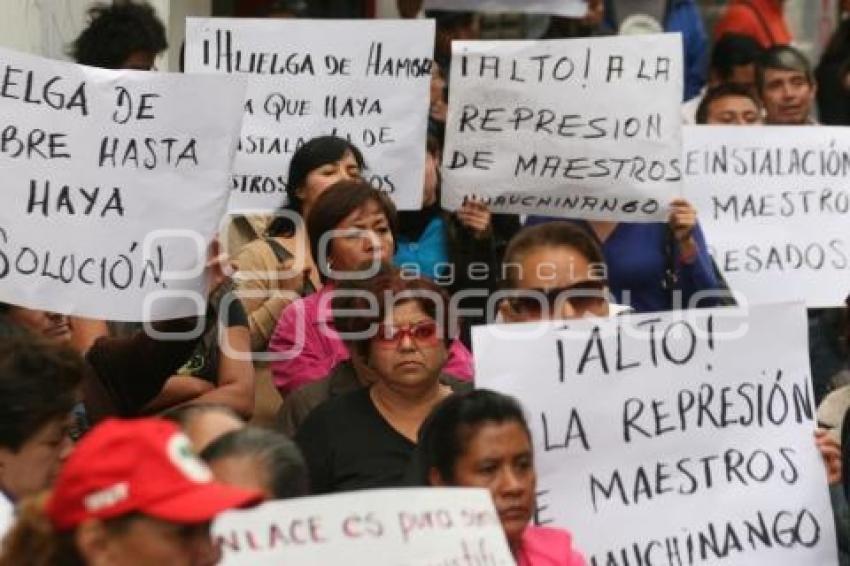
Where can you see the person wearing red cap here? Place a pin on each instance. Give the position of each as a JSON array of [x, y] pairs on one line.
[[133, 493]]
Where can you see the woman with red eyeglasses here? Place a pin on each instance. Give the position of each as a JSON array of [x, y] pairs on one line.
[[352, 228], [365, 438]]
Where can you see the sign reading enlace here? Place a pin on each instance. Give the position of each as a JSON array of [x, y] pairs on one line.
[[775, 206], [113, 182], [566, 8], [672, 438], [364, 80], [384, 527], [578, 128]]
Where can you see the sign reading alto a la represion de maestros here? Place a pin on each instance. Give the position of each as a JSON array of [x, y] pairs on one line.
[[577, 128], [674, 438]]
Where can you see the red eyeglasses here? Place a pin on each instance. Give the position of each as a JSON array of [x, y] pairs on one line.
[[422, 333]]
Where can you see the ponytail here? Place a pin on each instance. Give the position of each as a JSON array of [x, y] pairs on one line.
[[33, 540]]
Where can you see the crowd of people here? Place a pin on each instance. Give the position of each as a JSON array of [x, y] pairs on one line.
[[119, 448]]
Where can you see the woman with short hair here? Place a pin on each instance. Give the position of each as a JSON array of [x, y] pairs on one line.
[[275, 269], [352, 228], [364, 438], [255, 458]]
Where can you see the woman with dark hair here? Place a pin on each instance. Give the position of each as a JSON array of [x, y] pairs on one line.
[[35, 427], [259, 459], [365, 438], [305, 349], [352, 229], [481, 439], [316, 165], [277, 268]]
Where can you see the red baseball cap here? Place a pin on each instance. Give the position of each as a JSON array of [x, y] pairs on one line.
[[143, 466]]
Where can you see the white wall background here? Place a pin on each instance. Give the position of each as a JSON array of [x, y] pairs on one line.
[[43, 27], [47, 27], [386, 9]]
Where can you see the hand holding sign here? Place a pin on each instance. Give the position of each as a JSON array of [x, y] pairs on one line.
[[475, 216], [540, 126], [683, 220]]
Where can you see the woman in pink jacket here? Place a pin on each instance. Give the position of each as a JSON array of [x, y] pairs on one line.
[[481, 439], [352, 229]]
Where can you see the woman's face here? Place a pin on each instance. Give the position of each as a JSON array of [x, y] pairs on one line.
[[322, 177], [364, 240], [408, 351], [34, 466], [498, 457]]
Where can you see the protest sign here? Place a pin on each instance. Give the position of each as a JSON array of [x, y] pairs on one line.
[[775, 207], [113, 183], [383, 527], [581, 128], [673, 438], [365, 80], [566, 8]]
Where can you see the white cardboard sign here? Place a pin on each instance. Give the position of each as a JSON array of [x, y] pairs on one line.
[[366, 80], [113, 183], [389, 527], [578, 128], [685, 434], [775, 206]]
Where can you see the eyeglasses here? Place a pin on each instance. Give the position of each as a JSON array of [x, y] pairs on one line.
[[422, 333], [582, 297]]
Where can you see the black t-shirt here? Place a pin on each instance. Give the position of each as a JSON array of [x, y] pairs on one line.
[[228, 310], [348, 445]]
